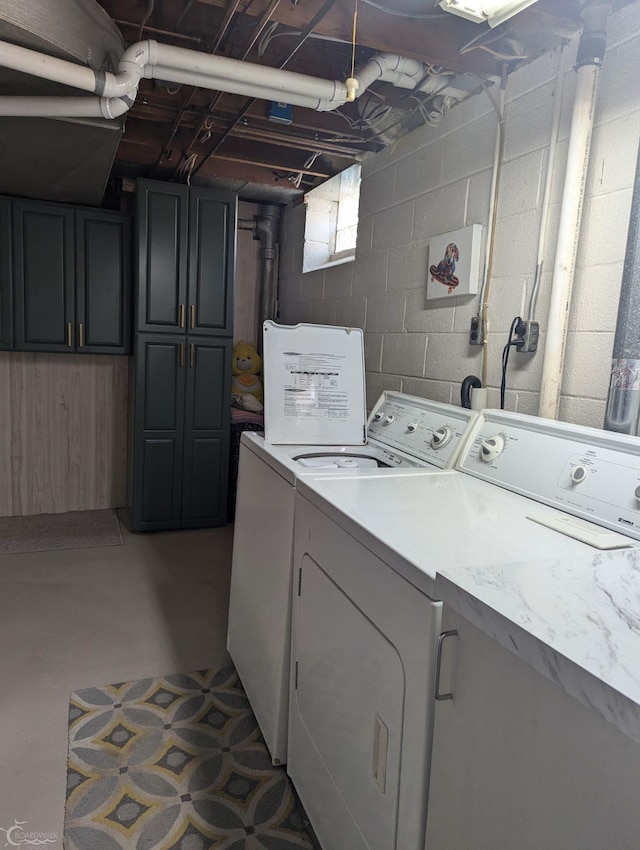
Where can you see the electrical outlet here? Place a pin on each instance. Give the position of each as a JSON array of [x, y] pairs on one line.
[[527, 334], [476, 333]]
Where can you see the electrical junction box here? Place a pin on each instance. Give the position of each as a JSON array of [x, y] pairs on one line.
[[281, 113]]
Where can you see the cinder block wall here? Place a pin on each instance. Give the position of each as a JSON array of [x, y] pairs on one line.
[[438, 179]]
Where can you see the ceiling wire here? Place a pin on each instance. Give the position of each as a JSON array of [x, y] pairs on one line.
[[148, 14], [353, 39]]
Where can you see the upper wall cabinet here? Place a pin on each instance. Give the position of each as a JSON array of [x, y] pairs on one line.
[[44, 273], [103, 282], [6, 305], [72, 279], [186, 263]]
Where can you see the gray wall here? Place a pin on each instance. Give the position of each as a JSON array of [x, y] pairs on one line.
[[438, 179]]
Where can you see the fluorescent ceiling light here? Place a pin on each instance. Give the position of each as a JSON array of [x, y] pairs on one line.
[[493, 12]]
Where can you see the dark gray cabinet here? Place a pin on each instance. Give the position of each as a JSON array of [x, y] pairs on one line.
[[72, 272], [181, 433], [44, 276], [6, 288], [186, 259], [103, 282], [184, 321]]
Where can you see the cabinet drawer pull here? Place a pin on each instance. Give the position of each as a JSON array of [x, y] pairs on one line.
[[182, 353], [80, 335], [192, 355], [441, 638], [182, 315], [193, 316], [69, 334]]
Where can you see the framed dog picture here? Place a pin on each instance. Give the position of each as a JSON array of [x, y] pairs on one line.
[[454, 263]]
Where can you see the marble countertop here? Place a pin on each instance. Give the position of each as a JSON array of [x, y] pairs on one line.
[[576, 621]]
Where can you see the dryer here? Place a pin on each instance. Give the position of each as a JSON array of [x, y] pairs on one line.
[[403, 432], [366, 618]]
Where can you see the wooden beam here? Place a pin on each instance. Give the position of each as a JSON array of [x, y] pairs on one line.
[[434, 40]]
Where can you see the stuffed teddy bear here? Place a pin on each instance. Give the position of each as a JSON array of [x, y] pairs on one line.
[[246, 382]]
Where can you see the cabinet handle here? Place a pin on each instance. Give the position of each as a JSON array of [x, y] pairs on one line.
[[69, 334], [80, 335], [182, 315], [182, 353], [192, 355], [441, 638], [193, 316]]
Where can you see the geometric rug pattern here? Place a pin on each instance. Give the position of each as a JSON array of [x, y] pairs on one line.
[[176, 763]]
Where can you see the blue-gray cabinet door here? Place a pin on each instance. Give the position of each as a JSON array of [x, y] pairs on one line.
[[212, 253], [206, 432], [44, 276], [103, 282], [163, 210], [158, 432], [6, 288]]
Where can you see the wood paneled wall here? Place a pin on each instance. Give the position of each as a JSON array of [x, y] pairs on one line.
[[63, 432]]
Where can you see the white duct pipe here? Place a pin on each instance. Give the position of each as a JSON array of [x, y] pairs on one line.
[[590, 54], [65, 107], [191, 78], [234, 70], [178, 64]]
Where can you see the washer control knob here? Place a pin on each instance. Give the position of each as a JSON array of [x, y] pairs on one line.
[[491, 447], [378, 416], [389, 418], [441, 437], [637, 494], [412, 426], [578, 474]]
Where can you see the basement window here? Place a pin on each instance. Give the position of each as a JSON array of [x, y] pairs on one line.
[[331, 226]]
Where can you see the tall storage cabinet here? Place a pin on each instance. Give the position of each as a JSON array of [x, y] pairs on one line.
[[186, 271]]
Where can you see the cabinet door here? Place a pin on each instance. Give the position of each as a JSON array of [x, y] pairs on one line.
[[6, 306], [158, 432], [206, 438], [212, 239], [43, 255], [519, 763], [103, 282], [162, 259]]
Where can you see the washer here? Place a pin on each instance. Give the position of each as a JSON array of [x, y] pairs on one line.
[[366, 620], [403, 432]]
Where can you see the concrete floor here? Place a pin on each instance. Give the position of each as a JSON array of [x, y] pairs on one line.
[[76, 618]]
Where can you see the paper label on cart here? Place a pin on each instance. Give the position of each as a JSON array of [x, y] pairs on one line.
[[314, 385]]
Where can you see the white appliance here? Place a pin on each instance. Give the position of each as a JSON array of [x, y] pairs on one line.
[[403, 432], [365, 620]]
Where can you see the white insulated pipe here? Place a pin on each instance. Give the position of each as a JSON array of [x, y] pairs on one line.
[[181, 65], [191, 78], [594, 40], [65, 107]]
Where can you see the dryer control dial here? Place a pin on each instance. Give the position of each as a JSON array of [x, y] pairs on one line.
[[378, 416], [441, 437], [578, 474], [637, 494], [491, 448], [389, 418], [412, 426]]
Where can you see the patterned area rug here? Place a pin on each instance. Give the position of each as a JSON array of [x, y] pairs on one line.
[[175, 764]]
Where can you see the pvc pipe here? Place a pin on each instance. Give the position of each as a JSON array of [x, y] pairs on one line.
[[235, 70], [546, 198], [64, 107], [47, 67], [568, 234], [174, 75]]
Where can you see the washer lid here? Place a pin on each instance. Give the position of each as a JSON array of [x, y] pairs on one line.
[[314, 385]]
